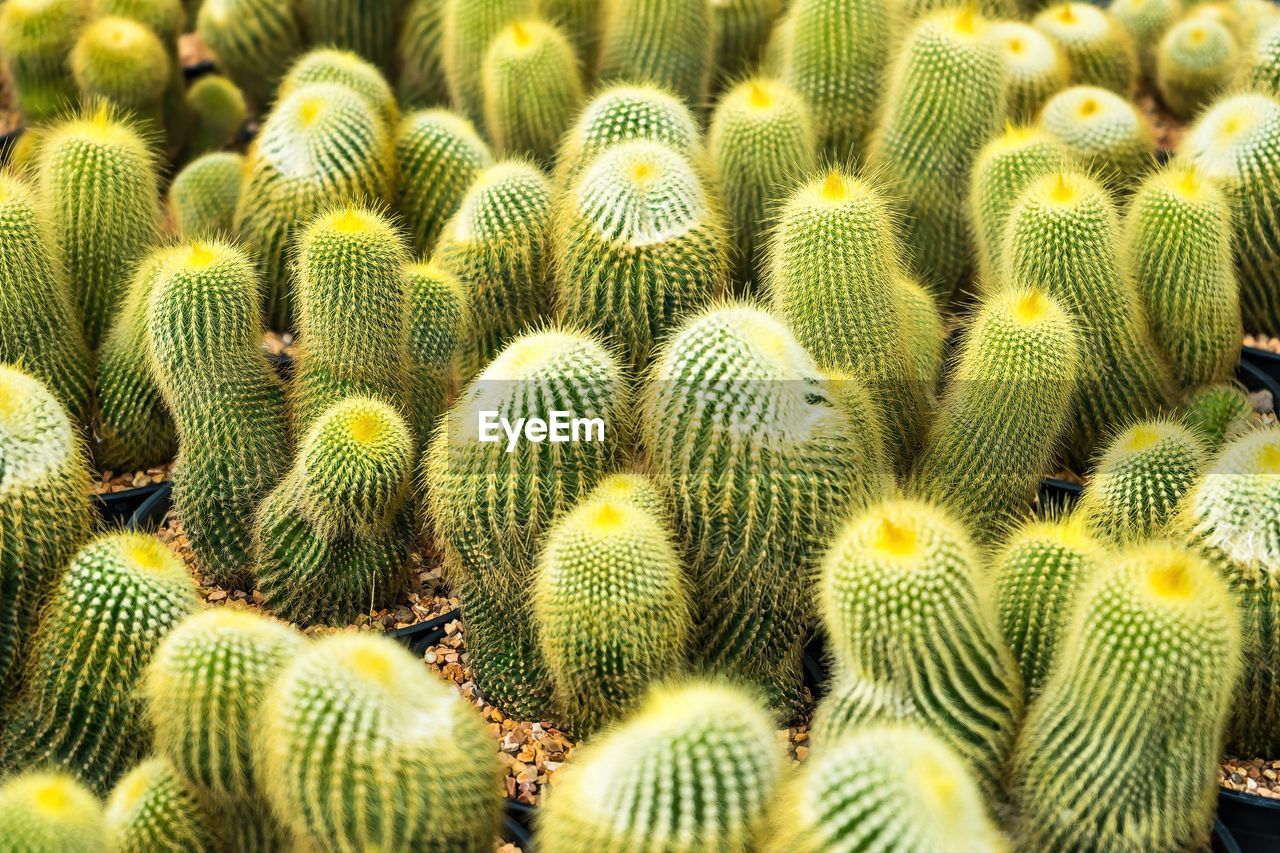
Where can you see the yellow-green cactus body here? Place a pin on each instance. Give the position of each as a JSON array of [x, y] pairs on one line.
[[580, 20], [204, 195], [1259, 66], [124, 63], [370, 28], [47, 812], [1102, 131], [1195, 61], [532, 89], [469, 28], [1099, 48], [439, 154], [329, 65], [925, 335], [1218, 413], [154, 809], [254, 40], [1035, 68], [421, 55], [438, 319], [669, 43], [854, 702], [36, 38], [742, 29], [218, 110], [1147, 21]]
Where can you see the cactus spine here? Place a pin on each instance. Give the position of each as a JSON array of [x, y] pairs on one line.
[[926, 336], [1035, 68], [255, 40], [854, 703], [532, 89], [420, 55], [469, 29], [1103, 131], [1217, 413], [367, 27], [1147, 21], [1195, 60], [46, 812], [742, 29], [439, 155], [1259, 66], [580, 20], [1098, 47], [327, 65], [204, 195], [122, 62], [154, 810], [438, 319], [669, 43], [36, 37]]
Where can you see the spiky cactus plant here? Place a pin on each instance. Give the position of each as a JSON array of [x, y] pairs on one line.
[[204, 195], [695, 766], [762, 144], [1147, 21], [469, 28], [532, 89], [742, 28], [205, 334], [1178, 234], [1102, 131], [1063, 236], [1006, 408], [36, 37], [439, 154], [420, 55], [438, 318], [254, 40], [581, 21], [853, 703], [739, 423], [97, 180], [355, 719], [492, 498], [330, 65], [153, 808], [40, 326], [497, 246], [944, 99], [48, 812], [1195, 60], [322, 146], [218, 112], [333, 539], [637, 245], [124, 63], [79, 707], [1259, 66], [1148, 662], [925, 334], [669, 43], [370, 28], [1098, 47], [890, 788], [1217, 413], [1035, 68]]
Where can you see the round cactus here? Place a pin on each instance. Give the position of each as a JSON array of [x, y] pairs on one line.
[[153, 809], [1195, 60], [469, 28], [580, 20], [1035, 68], [438, 319], [44, 812], [1259, 66], [254, 40], [439, 154], [369, 28], [742, 29], [532, 89], [1098, 47], [218, 110], [853, 703], [1147, 21], [122, 62], [329, 65], [668, 43], [204, 195], [36, 37], [166, 18], [1217, 413], [1103, 131], [420, 55]]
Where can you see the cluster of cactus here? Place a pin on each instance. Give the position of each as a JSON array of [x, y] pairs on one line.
[[1035, 67], [1103, 131], [1195, 60], [254, 40], [669, 43], [532, 89], [36, 38], [154, 808], [1098, 47]]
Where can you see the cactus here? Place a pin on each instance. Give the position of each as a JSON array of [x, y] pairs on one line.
[[1148, 661], [854, 703], [1178, 244], [36, 37], [835, 53], [1217, 413], [1195, 60], [439, 155], [1259, 67], [1063, 236], [1102, 131], [496, 244], [420, 55], [833, 271], [438, 319], [491, 507], [469, 29], [79, 708], [328, 65], [532, 89], [122, 62], [904, 601], [694, 768], [218, 110], [669, 43], [637, 245], [1035, 68], [1038, 574], [45, 812], [1098, 47], [742, 29], [44, 509], [890, 788], [322, 146], [357, 720], [762, 143], [166, 18], [1147, 21], [153, 809], [1234, 144], [134, 428], [204, 195], [1006, 408], [40, 327], [333, 539], [205, 335], [925, 335], [370, 28], [736, 417], [610, 602], [97, 180], [944, 100], [254, 40], [580, 21]]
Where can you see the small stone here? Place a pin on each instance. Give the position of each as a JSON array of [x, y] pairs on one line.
[[218, 595]]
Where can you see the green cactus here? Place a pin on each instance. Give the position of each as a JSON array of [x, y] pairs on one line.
[[1103, 131], [580, 20], [420, 55], [491, 507], [329, 65], [834, 265], [40, 328], [45, 812], [153, 809], [166, 18], [134, 428], [1235, 144], [438, 319], [785, 428], [370, 28], [439, 155], [36, 37], [204, 195], [1149, 658], [1098, 47], [925, 334], [254, 40], [324, 145], [1006, 409], [333, 539], [44, 509], [1259, 67], [1063, 236], [79, 707], [610, 602], [742, 29], [1218, 413], [637, 245], [532, 89], [355, 719], [1253, 18], [853, 703], [205, 335], [903, 598], [97, 180], [1147, 21], [693, 769], [944, 100], [895, 789], [497, 246], [218, 110], [1178, 244], [1038, 574], [469, 28], [1035, 68], [669, 43], [122, 62], [1195, 60], [762, 144]]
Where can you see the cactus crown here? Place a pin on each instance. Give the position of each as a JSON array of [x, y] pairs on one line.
[[1233, 132], [641, 193], [1199, 43], [342, 67], [200, 295], [498, 195], [51, 812], [1092, 119], [36, 435], [121, 60], [1234, 510], [623, 113]]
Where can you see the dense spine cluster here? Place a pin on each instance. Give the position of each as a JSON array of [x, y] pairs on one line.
[[668, 43], [36, 38], [532, 89], [439, 154]]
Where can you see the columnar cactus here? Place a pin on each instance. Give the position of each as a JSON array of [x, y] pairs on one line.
[[1259, 66], [355, 719], [1099, 48], [370, 28], [580, 20], [469, 29], [79, 708], [492, 497], [1147, 21], [218, 112], [742, 29], [532, 89], [1035, 68], [124, 63], [439, 154], [1195, 60], [853, 703], [204, 195], [925, 334], [329, 65], [438, 318], [154, 808], [669, 43], [1103, 131], [206, 346], [46, 812], [1148, 662], [36, 37], [694, 768], [254, 40], [420, 54], [1218, 413]]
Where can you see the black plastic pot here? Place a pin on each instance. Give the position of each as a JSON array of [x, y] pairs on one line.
[[150, 513], [1253, 821], [116, 508], [1260, 367], [194, 72], [425, 634], [517, 825]]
